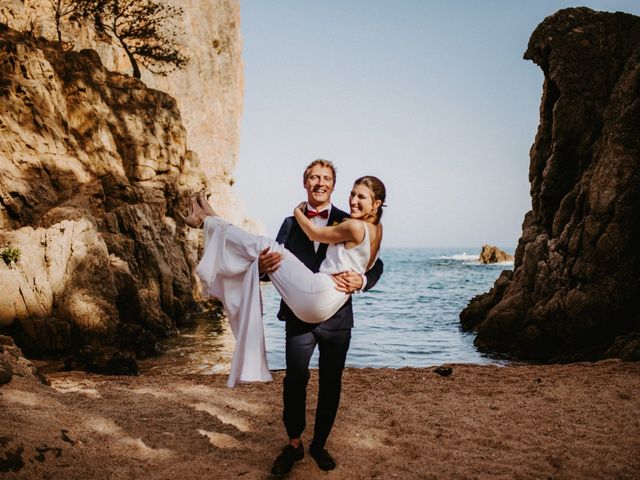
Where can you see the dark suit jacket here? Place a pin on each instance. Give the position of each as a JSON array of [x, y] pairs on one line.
[[297, 242]]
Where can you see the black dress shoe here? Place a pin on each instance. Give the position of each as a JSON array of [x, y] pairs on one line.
[[324, 460], [284, 462]]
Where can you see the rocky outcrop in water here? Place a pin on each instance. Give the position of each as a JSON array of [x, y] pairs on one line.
[[574, 292], [491, 254], [94, 167]]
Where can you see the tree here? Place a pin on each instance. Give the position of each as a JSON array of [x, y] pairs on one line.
[[61, 9], [145, 29], [66, 8]]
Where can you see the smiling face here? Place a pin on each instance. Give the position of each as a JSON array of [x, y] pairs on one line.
[[319, 186], [362, 203]]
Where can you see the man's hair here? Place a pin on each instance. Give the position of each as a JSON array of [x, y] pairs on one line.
[[322, 163]]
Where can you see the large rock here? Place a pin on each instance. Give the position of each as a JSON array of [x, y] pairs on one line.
[[575, 289], [13, 363], [95, 166], [208, 91], [492, 254], [63, 280]]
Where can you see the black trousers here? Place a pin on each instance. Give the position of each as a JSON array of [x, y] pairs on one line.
[[333, 346]]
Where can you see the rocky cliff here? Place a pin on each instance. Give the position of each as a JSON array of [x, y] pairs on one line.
[[208, 91], [574, 292], [94, 167]]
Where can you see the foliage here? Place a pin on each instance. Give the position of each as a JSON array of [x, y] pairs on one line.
[[145, 29], [10, 255]]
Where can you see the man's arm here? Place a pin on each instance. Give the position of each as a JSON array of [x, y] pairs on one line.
[[285, 229], [373, 275]]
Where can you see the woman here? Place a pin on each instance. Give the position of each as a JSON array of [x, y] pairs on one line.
[[229, 270]]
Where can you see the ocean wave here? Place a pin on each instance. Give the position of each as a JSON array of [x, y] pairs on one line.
[[464, 257], [468, 258]]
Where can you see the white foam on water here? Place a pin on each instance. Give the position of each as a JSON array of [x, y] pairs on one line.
[[464, 257]]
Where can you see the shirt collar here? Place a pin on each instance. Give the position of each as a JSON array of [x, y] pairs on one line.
[[311, 209]]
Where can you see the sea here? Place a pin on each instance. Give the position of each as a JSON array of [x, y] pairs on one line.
[[409, 319]]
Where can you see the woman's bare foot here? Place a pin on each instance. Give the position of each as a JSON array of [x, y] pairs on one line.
[[195, 216], [204, 204]]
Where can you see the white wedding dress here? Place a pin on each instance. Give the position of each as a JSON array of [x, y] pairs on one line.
[[229, 271]]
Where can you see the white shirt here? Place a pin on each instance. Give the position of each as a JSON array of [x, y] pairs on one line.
[[318, 221]]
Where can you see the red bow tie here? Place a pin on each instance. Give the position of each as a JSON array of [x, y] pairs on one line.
[[313, 213]]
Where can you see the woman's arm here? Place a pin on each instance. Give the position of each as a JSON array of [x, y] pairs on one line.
[[348, 231]]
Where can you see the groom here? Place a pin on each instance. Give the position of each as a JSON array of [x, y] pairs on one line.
[[332, 336]]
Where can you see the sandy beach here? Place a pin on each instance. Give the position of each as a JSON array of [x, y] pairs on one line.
[[573, 421]]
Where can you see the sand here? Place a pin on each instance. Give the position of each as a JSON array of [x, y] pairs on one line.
[[579, 421]]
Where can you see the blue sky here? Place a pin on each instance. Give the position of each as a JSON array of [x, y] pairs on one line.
[[433, 97]]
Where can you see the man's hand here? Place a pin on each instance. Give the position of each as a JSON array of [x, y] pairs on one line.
[[348, 282], [268, 262]]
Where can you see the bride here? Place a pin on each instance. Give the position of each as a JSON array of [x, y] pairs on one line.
[[229, 270]]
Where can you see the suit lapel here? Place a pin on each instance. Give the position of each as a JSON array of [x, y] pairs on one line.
[[302, 246], [334, 216]]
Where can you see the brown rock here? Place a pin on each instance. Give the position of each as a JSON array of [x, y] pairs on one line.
[[443, 371], [100, 242], [208, 90], [491, 254], [103, 360], [12, 362], [475, 312], [6, 372], [576, 282], [11, 452]]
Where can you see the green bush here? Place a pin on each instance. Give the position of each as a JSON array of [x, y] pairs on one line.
[[10, 255]]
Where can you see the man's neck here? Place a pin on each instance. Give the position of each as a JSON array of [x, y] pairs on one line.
[[320, 207]]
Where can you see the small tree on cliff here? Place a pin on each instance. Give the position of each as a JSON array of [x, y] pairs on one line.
[[145, 29], [68, 8]]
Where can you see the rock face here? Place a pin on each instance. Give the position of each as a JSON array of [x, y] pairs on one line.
[[208, 91], [575, 289], [13, 363], [491, 254], [94, 167]]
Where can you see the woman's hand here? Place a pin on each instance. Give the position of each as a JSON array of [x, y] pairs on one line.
[[301, 206], [351, 230], [299, 215]]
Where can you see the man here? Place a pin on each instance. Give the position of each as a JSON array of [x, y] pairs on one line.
[[332, 336]]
